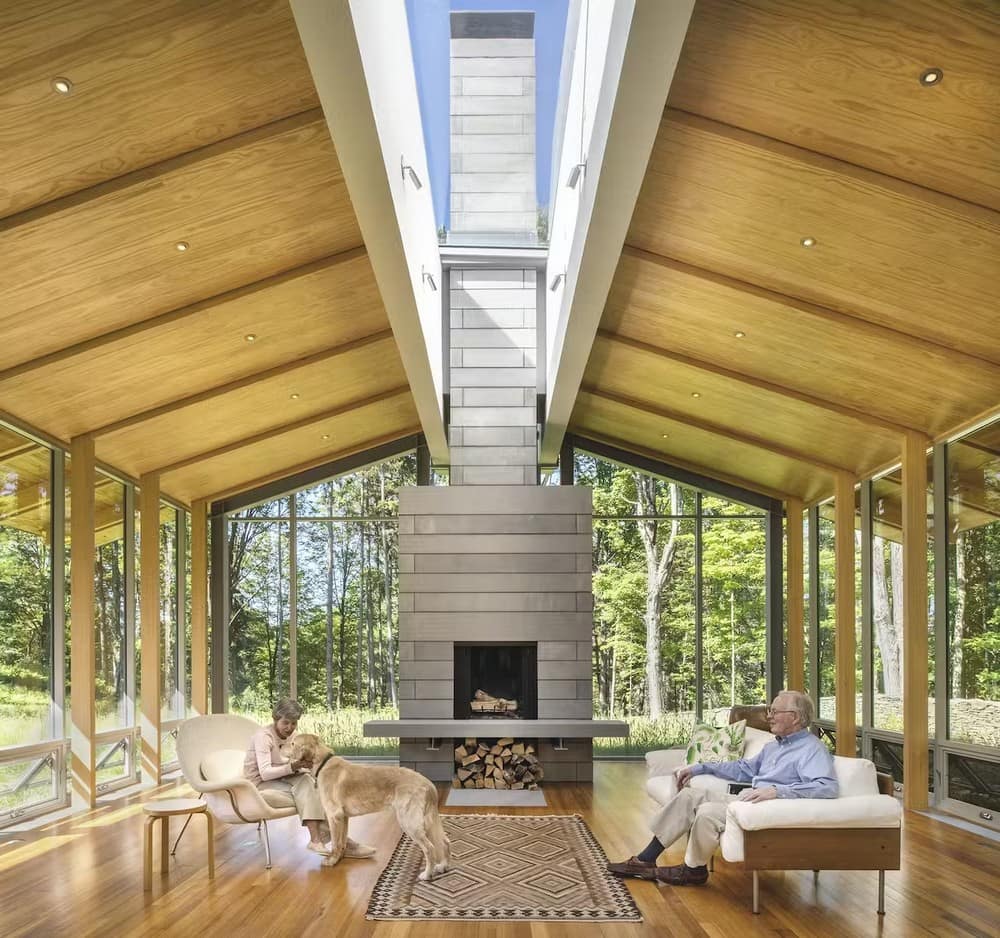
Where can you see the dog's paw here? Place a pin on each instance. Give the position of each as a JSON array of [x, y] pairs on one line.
[[440, 867], [329, 861], [424, 876]]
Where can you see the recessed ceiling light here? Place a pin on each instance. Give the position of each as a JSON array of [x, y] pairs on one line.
[[182, 246], [932, 76], [295, 395], [250, 337], [62, 85], [665, 435], [739, 334], [326, 436], [696, 393], [808, 242]]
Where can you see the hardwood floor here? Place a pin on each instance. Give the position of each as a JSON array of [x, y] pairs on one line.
[[82, 876]]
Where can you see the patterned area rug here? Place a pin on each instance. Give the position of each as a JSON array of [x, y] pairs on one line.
[[507, 868]]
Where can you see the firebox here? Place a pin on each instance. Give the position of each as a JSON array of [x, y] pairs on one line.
[[496, 680]]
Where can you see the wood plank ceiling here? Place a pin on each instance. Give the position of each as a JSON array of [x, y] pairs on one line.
[[729, 345], [194, 122]]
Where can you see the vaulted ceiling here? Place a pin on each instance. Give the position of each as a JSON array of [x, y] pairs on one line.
[[813, 264], [264, 345]]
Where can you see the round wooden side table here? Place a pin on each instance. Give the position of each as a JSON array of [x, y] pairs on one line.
[[162, 811]]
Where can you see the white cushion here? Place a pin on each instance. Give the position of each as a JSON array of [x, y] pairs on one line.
[[755, 741], [223, 765], [662, 788], [856, 811], [664, 761], [856, 777], [276, 798]]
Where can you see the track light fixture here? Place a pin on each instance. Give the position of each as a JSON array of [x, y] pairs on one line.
[[428, 278], [575, 173], [557, 281], [408, 172]]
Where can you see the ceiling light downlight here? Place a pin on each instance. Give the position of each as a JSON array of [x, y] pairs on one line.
[[931, 77], [808, 242], [181, 246], [250, 337], [61, 85], [295, 395]]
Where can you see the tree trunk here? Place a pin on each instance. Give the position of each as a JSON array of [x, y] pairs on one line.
[[885, 629], [732, 649], [390, 638], [958, 630], [896, 646], [279, 667], [329, 599], [611, 695], [361, 614]]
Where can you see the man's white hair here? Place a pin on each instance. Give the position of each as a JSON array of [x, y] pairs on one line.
[[802, 704]]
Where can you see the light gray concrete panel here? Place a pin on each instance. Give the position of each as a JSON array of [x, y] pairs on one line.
[[494, 602], [494, 358], [426, 670], [570, 730], [484, 104], [493, 143], [494, 221], [482, 626], [556, 651], [406, 651], [496, 183], [491, 278], [437, 771], [492, 48], [493, 417], [455, 318], [495, 436], [484, 298], [434, 690], [496, 318], [585, 563], [584, 772], [405, 525], [493, 456], [405, 690], [585, 602], [493, 377], [416, 709], [493, 338], [556, 690], [563, 670], [585, 524], [492, 85], [492, 543], [573, 709], [584, 690], [493, 66], [489, 475], [434, 651], [585, 650], [455, 357], [504, 500], [453, 564], [508, 200], [405, 603], [405, 563], [493, 162], [497, 524], [559, 772], [415, 583], [455, 437]]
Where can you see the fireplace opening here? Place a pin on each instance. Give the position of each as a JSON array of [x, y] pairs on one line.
[[494, 681]]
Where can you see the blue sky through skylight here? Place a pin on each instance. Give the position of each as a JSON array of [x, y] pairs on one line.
[[430, 35]]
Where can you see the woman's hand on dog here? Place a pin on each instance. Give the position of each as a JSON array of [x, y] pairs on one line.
[[298, 764]]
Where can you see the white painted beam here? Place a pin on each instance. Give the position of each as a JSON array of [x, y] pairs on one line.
[[590, 221], [360, 58]]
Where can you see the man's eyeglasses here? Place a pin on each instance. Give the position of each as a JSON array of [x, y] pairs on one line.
[[769, 712]]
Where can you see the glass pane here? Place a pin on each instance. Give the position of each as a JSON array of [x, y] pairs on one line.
[[888, 758], [25, 591], [168, 747], [734, 622], [827, 600], [114, 761], [807, 602], [188, 710], [973, 668], [26, 783], [171, 701], [974, 781], [110, 696]]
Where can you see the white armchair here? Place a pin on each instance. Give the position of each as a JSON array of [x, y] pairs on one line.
[[859, 830], [211, 750]]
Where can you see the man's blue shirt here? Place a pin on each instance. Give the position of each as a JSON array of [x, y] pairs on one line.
[[798, 766]]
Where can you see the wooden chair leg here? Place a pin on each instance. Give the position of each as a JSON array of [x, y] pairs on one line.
[[147, 854], [711, 863], [211, 845], [164, 844], [881, 892], [756, 893]]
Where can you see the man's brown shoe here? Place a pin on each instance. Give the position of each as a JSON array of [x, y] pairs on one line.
[[682, 875], [634, 867]]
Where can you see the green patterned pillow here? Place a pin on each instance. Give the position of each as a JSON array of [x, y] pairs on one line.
[[716, 743]]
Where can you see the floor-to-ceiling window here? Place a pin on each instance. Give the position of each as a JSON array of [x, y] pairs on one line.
[[679, 605], [314, 579]]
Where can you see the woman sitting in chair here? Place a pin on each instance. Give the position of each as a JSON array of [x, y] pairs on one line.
[[268, 769]]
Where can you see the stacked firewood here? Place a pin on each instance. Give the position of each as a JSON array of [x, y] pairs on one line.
[[508, 763]]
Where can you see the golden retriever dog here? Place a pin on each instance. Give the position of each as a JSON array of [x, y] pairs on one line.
[[347, 790]]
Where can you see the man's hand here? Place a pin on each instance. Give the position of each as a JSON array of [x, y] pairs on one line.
[[683, 775], [758, 794], [301, 764]]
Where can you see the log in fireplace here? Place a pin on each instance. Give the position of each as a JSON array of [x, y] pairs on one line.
[[496, 680]]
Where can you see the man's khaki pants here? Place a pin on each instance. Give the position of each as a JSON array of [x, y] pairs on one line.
[[698, 813]]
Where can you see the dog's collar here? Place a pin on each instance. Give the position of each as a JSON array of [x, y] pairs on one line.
[[319, 768]]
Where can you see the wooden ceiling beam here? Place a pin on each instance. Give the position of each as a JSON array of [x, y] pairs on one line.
[[782, 390], [716, 429], [338, 350], [876, 330], [310, 464], [158, 170], [338, 411], [183, 312]]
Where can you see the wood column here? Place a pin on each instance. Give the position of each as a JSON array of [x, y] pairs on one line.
[[199, 606], [795, 608], [846, 642], [150, 626], [83, 748], [915, 621]]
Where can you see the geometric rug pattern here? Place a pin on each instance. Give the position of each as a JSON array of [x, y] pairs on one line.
[[507, 868]]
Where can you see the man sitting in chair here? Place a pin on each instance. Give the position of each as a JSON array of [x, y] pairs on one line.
[[795, 765]]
